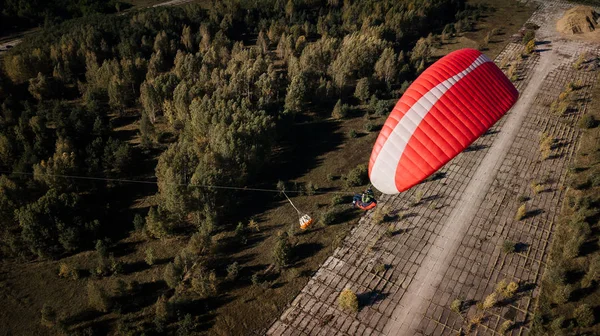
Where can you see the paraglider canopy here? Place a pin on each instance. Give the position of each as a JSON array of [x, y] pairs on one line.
[[446, 108]]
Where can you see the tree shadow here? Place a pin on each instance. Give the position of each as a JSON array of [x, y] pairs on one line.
[[475, 148], [521, 247], [82, 316], [533, 213], [306, 250], [370, 298]]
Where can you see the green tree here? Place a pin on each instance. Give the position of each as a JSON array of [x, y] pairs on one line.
[[386, 67], [296, 93], [282, 252], [362, 90]]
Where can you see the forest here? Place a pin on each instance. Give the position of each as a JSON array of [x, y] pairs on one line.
[[212, 93]]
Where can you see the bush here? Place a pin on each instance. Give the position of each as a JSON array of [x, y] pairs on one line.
[[557, 324], [150, 258], [511, 289], [329, 216], [522, 199], [116, 266], [233, 270], [311, 189], [587, 121], [162, 312], [357, 176], [253, 225], [101, 248], [204, 283], [521, 212], [340, 111], [330, 177], [584, 315], [529, 36], [48, 316], [501, 286], [97, 298], [370, 127], [240, 233], [391, 230], [562, 294], [66, 271], [362, 89], [490, 301], [282, 251], [138, 222], [353, 134], [456, 306], [337, 199], [172, 275], [348, 301], [508, 246], [505, 326]]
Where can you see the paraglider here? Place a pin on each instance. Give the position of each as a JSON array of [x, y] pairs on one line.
[[449, 106], [365, 201]]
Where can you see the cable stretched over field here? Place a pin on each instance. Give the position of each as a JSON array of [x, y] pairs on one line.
[[206, 186]]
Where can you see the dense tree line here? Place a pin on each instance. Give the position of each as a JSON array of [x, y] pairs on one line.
[[226, 81], [20, 14]]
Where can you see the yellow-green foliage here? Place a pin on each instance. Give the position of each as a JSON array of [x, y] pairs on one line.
[[456, 306], [504, 327], [530, 46], [579, 61], [521, 212], [511, 289], [501, 286], [66, 271], [348, 300], [490, 301]]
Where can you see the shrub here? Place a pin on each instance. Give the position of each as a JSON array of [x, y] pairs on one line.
[[508, 246], [97, 298], [530, 47], [253, 225], [557, 324], [378, 215], [584, 315], [255, 279], [522, 199], [348, 301], [353, 134], [340, 111], [138, 222], [240, 233], [48, 316], [490, 301], [573, 246], [391, 230], [587, 121], [281, 186], [282, 251], [579, 61], [172, 275], [505, 326], [379, 268], [369, 127], [357, 176], [337, 199], [101, 248], [593, 272], [418, 197], [456, 306], [162, 311], [150, 258], [329, 216], [521, 212], [116, 266], [204, 283], [555, 274], [562, 294], [66, 271], [233, 270], [528, 36], [330, 177], [310, 189], [501, 286], [511, 289]]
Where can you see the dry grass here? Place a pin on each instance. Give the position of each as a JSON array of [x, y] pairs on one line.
[[348, 301]]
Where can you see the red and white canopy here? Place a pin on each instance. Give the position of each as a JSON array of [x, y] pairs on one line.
[[447, 107]]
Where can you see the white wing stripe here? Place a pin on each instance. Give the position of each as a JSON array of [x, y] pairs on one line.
[[383, 174]]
